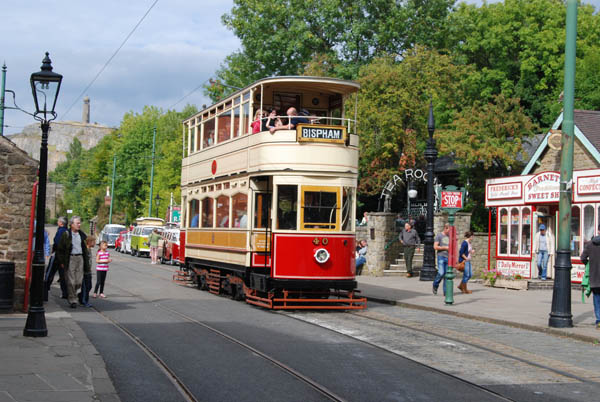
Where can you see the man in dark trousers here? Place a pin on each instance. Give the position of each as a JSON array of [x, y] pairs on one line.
[[72, 255], [53, 265], [591, 253], [409, 238]]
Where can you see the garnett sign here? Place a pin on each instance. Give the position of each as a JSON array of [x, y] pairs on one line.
[[318, 133]]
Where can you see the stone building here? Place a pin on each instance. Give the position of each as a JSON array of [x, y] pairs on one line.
[[519, 205], [18, 173]]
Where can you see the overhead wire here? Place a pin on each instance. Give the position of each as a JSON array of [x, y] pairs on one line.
[[111, 57]]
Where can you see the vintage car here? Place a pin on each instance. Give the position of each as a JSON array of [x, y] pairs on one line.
[[110, 233], [139, 237], [171, 247]]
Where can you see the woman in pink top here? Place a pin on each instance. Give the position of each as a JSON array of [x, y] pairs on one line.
[[102, 261], [257, 124]]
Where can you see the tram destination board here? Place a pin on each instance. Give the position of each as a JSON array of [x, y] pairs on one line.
[[319, 133]]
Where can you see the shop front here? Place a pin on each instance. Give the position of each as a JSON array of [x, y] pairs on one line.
[[523, 203]]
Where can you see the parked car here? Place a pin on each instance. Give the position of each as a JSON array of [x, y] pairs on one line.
[[119, 241], [110, 233], [171, 250]]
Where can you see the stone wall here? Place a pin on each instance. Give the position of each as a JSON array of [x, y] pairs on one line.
[[380, 233], [480, 258], [462, 221], [18, 173]]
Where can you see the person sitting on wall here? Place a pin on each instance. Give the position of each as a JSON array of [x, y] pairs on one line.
[[361, 256], [294, 120]]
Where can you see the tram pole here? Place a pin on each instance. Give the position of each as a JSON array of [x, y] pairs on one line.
[[560, 316], [152, 173], [112, 190]]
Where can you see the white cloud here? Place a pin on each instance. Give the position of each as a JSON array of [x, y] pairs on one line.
[[179, 45]]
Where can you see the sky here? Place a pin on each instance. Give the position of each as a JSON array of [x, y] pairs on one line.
[[177, 47]]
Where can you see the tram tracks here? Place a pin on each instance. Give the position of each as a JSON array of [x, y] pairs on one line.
[[176, 380]]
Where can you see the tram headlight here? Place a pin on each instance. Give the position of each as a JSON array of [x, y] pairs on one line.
[[321, 255]]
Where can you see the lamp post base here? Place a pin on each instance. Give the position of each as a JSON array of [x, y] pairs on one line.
[[560, 316], [35, 326]]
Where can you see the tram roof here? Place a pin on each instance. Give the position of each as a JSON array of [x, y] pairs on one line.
[[334, 86]]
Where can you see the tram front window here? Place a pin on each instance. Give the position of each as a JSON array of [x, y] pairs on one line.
[[262, 210], [320, 210], [287, 207]]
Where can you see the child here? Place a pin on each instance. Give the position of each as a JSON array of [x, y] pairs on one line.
[[102, 261], [86, 285]]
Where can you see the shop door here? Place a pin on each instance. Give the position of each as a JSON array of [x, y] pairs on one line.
[[551, 227]]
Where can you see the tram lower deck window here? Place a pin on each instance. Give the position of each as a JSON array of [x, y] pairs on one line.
[[287, 207], [320, 210]]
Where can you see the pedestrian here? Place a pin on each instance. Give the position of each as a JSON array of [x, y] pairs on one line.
[[361, 256], [86, 285], [72, 255], [465, 254], [153, 241], [440, 244], [365, 219], [102, 261], [409, 238], [591, 254], [543, 246], [53, 264]]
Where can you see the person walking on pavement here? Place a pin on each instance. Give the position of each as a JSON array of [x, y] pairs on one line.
[[591, 254], [153, 241], [409, 238], [465, 254], [72, 255], [102, 261], [543, 246], [440, 244], [86, 284], [53, 264]]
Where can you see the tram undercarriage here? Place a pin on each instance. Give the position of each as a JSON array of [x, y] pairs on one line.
[[261, 290]]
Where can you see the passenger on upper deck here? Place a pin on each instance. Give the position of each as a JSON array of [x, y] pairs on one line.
[[294, 121], [258, 124], [273, 120]]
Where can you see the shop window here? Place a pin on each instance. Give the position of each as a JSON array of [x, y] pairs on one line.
[[526, 232], [575, 230], [287, 207], [347, 208], [262, 210], [514, 231], [239, 206], [320, 209], [194, 213], [209, 133], [588, 223], [207, 213], [223, 211], [503, 231]]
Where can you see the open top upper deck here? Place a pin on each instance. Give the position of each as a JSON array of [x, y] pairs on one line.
[[220, 141]]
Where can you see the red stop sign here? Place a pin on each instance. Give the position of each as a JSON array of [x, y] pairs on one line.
[[452, 199]]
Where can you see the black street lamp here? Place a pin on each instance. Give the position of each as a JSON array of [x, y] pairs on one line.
[[47, 84], [428, 271]]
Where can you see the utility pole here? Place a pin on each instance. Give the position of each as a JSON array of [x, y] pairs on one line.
[[560, 316], [152, 172], [2, 90], [112, 189]]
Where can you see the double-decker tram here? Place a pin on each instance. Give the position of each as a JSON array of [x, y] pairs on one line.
[[268, 208]]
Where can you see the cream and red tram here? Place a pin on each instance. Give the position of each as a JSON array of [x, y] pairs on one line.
[[269, 217]]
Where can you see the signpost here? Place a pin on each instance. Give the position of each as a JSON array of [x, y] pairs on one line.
[[451, 201]]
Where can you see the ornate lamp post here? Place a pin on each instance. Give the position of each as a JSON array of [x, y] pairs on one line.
[[157, 204], [428, 271], [45, 84]]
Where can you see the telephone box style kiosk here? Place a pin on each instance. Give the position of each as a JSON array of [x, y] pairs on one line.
[[523, 203]]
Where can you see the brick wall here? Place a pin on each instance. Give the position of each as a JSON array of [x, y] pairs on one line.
[[18, 173]]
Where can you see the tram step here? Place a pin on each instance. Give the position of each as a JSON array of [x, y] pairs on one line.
[[214, 281]]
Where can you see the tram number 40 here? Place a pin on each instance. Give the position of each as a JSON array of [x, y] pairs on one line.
[[452, 199]]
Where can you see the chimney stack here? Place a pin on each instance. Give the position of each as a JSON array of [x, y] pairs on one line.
[[86, 110]]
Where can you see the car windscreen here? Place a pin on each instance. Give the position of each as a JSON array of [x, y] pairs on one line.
[[114, 229], [147, 231]]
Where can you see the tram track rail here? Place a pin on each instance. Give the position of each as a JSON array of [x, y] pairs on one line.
[[179, 383]]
